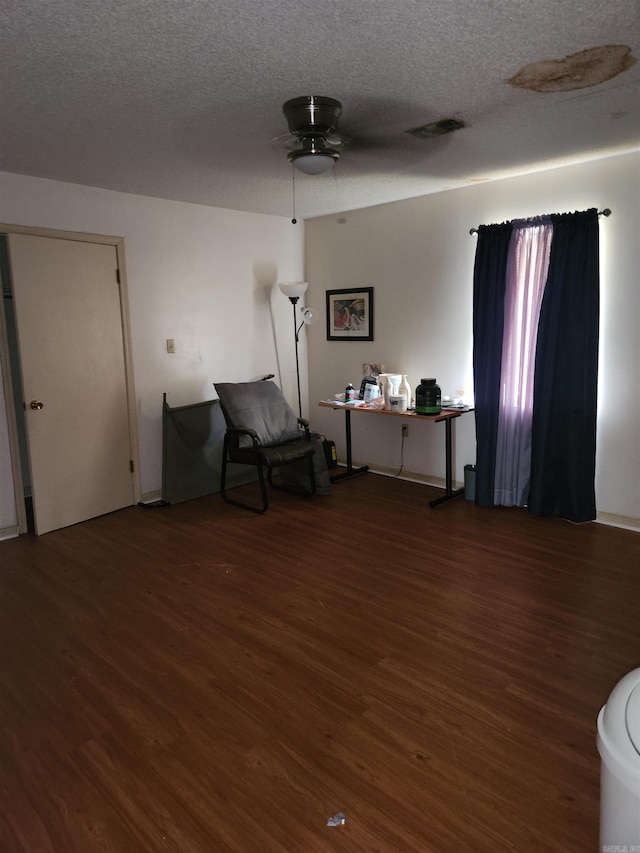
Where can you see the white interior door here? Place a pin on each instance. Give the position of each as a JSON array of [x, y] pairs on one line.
[[70, 337]]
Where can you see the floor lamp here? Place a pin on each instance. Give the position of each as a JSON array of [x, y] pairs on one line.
[[293, 290]]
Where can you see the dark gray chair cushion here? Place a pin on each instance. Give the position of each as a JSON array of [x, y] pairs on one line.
[[260, 406]]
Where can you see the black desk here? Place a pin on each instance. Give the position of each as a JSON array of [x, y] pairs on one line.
[[446, 416]]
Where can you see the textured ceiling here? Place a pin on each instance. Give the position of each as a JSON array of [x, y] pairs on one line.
[[181, 99]]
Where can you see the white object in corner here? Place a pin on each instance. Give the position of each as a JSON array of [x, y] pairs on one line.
[[619, 748]]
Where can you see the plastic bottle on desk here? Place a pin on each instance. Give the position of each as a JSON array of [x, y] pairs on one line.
[[349, 393], [405, 389], [388, 391]]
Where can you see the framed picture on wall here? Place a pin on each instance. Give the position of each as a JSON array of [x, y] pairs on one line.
[[350, 314]]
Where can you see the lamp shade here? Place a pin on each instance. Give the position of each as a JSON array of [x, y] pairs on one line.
[[293, 289], [308, 315]]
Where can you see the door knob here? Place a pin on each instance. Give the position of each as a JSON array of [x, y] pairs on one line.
[[36, 405]]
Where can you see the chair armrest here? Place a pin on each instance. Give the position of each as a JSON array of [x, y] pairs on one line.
[[236, 432], [304, 423], [243, 431]]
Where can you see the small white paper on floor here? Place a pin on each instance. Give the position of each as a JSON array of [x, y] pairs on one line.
[[337, 819]]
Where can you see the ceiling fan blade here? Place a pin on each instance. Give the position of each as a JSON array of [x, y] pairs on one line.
[[286, 142], [338, 141], [291, 142]]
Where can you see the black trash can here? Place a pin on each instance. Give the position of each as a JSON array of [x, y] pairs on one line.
[[470, 482]]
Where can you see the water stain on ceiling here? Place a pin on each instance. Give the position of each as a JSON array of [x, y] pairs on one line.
[[576, 71]]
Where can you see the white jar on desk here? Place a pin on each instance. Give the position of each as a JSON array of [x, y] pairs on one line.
[[397, 403], [389, 383]]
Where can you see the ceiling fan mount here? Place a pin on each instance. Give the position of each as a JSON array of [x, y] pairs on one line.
[[312, 121], [312, 114]]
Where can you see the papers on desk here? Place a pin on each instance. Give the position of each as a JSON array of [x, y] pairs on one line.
[[349, 404]]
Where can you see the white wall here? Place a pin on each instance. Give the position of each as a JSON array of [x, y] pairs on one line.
[[418, 255], [203, 276]]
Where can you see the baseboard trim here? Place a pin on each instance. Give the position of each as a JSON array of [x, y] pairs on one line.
[[411, 476], [151, 497], [611, 519], [9, 532], [619, 521]]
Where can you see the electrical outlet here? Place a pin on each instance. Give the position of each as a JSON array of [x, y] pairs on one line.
[[405, 430]]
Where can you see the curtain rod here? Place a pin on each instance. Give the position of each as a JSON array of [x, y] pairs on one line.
[[605, 212]]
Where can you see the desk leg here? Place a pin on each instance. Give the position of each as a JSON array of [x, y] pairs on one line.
[[351, 471], [449, 491]]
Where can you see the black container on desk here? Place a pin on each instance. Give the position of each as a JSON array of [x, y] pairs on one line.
[[428, 398]]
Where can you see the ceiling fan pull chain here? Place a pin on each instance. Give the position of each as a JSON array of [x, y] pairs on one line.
[[293, 191]]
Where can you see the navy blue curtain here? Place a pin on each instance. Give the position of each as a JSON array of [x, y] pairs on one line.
[[489, 279], [563, 448]]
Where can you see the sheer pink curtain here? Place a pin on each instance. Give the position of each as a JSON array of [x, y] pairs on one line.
[[527, 267]]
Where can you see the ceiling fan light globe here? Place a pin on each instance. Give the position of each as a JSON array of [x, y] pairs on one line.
[[313, 162]]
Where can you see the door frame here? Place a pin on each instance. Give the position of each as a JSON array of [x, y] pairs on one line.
[[118, 244]]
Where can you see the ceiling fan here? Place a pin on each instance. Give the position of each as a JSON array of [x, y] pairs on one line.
[[315, 145], [313, 142]]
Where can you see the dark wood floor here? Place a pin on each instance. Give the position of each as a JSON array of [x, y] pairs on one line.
[[196, 678]]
